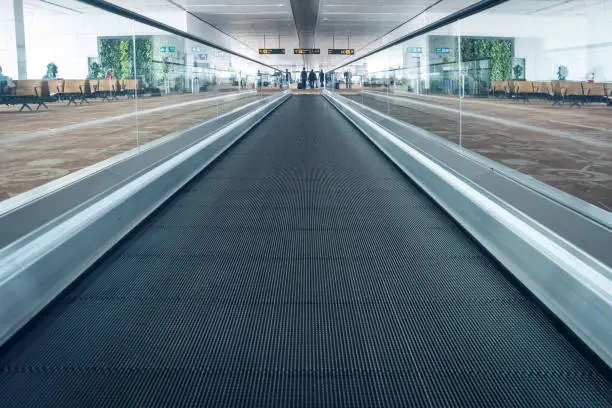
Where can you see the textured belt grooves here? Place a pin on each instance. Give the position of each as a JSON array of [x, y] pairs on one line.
[[301, 269]]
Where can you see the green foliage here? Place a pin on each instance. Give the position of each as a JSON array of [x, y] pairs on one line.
[[165, 70], [144, 60], [51, 71], [562, 72], [110, 55], [117, 56], [467, 50], [483, 49], [95, 70], [501, 60], [498, 51], [518, 72], [124, 58]]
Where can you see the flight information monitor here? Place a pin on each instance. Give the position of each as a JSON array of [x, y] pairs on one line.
[[306, 50], [272, 51], [341, 51]]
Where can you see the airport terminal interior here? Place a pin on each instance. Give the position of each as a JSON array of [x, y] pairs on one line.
[[306, 203]]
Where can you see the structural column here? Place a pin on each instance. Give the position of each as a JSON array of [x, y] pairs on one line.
[[12, 39]]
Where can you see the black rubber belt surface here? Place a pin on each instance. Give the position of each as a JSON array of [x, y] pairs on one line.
[[301, 269]]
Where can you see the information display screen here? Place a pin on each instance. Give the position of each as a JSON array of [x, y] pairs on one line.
[[306, 50], [267, 51], [341, 51]]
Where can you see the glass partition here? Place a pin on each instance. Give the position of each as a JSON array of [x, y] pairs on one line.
[[80, 85], [533, 96], [410, 69]]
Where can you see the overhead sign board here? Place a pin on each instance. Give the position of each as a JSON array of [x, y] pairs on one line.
[[203, 57], [272, 51], [197, 49], [167, 49], [443, 50], [341, 51], [415, 50], [306, 50]]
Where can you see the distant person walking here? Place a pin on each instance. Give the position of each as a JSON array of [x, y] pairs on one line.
[[312, 78], [287, 77], [303, 77], [347, 77], [322, 79]]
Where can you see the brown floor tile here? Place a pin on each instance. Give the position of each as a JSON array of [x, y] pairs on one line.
[[579, 168]]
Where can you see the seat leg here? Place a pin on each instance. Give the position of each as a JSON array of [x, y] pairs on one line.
[[25, 105]]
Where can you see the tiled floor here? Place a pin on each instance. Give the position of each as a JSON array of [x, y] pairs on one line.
[[38, 147], [570, 149]]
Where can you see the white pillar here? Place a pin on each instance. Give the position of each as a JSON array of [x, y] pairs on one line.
[[12, 39]]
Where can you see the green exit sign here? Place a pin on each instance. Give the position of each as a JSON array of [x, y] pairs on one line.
[[415, 50], [167, 49]]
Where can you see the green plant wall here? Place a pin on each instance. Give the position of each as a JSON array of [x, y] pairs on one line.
[[110, 55], [144, 60], [124, 58], [117, 56], [498, 51]]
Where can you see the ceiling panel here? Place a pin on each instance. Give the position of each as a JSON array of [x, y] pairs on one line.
[[550, 8], [57, 7], [360, 24], [255, 23]]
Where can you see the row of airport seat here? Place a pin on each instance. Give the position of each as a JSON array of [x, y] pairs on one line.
[[40, 92], [576, 93]]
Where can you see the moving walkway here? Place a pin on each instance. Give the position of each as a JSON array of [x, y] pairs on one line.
[[301, 268]]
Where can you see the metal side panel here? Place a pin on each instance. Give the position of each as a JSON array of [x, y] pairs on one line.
[[27, 212], [35, 273], [589, 230], [573, 285], [571, 202]]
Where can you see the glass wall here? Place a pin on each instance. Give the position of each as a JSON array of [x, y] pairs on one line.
[[80, 85], [524, 84]]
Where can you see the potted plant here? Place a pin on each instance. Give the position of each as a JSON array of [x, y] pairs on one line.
[[562, 73], [95, 70], [51, 71], [518, 72]]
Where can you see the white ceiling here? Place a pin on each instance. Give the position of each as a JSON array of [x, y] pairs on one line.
[[547, 7], [356, 23], [252, 22], [341, 23], [69, 7], [367, 22]]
